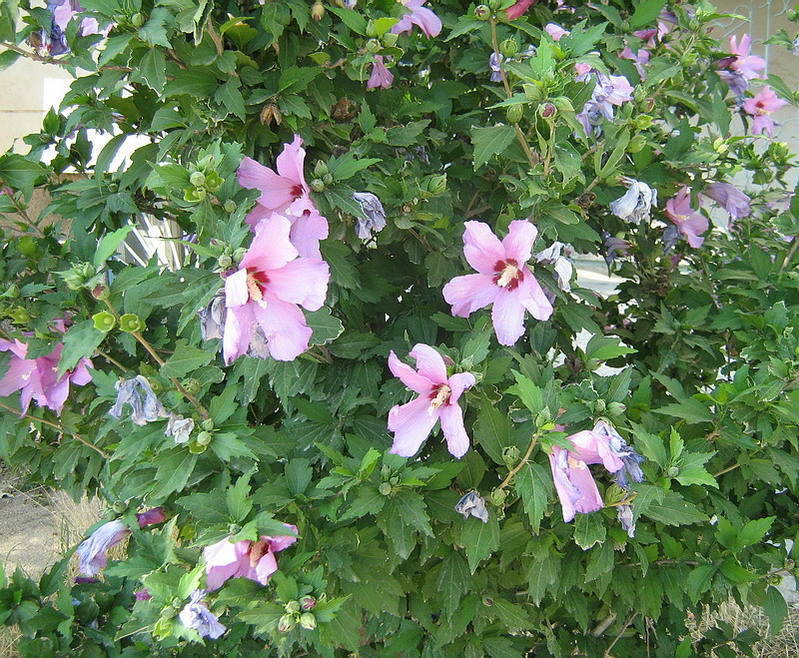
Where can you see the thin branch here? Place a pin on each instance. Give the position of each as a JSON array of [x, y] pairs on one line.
[[57, 62], [523, 461], [23, 212], [58, 427], [519, 134], [621, 632]]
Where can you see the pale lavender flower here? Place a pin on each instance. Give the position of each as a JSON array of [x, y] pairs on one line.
[[630, 469], [735, 202], [374, 219], [609, 91], [179, 428], [626, 519], [614, 247], [212, 318], [641, 59], [381, 76], [564, 269], [144, 405], [494, 63], [637, 202], [472, 504], [197, 616]]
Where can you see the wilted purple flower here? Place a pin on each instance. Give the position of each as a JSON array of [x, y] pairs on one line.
[[630, 469], [197, 616], [613, 247], [671, 236], [637, 202], [734, 201], [92, 551], [144, 405], [494, 63], [179, 428], [626, 518], [583, 70], [563, 264], [375, 215], [609, 90], [85, 580], [574, 484], [381, 76], [142, 595], [212, 318], [472, 504]]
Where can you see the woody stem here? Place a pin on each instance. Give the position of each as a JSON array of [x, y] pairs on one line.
[[521, 463]]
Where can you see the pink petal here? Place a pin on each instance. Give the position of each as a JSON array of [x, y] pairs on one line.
[[287, 333], [471, 292], [236, 337], [236, 292], [291, 161], [454, 431], [265, 567], [302, 281], [427, 20], [222, 561], [276, 191], [460, 382], [408, 376], [81, 375], [533, 298], [282, 542], [580, 476], [55, 395], [692, 227], [258, 214], [429, 363], [411, 424], [271, 248], [17, 376], [482, 248], [306, 232], [593, 448], [508, 317], [518, 243], [563, 487]]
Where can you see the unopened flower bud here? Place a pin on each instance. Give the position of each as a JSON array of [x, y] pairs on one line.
[[482, 12], [514, 113], [213, 182], [225, 261], [207, 424], [389, 39], [101, 292], [292, 606], [371, 29], [197, 179], [168, 612], [384, 489], [239, 253], [230, 206], [104, 321], [616, 409], [119, 507], [599, 406], [318, 11], [509, 47], [318, 185], [130, 323], [204, 438], [495, 5], [307, 603], [327, 179], [191, 385], [137, 20], [510, 456], [374, 46], [497, 497], [286, 623], [308, 621], [548, 110], [194, 195]]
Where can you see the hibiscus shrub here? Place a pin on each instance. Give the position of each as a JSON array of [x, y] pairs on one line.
[[301, 308]]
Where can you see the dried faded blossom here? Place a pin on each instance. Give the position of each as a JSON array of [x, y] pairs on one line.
[[271, 113]]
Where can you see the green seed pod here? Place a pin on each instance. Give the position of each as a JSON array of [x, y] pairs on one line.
[[318, 185], [194, 195], [385, 489], [191, 385], [482, 12], [137, 20], [196, 449], [213, 182], [104, 321], [514, 113], [204, 438], [130, 323], [533, 92], [207, 424], [230, 206], [374, 46], [497, 497]]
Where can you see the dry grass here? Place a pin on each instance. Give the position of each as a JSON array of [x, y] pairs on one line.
[[784, 644]]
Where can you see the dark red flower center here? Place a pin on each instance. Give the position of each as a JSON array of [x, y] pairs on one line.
[[508, 274], [296, 191], [439, 396], [256, 284]]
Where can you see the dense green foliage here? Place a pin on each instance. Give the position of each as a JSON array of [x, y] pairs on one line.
[[704, 342]]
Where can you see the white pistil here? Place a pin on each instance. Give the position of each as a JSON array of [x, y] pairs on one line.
[[509, 274], [441, 397]]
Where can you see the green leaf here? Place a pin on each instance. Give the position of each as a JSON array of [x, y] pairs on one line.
[[185, 360], [173, 472], [754, 531], [230, 96], [339, 257], [154, 30], [109, 244], [19, 173], [7, 58], [298, 475], [776, 609], [699, 580], [646, 12], [691, 410], [603, 348], [453, 581], [239, 502], [514, 617], [152, 69], [489, 142], [346, 166], [589, 530], [480, 539], [534, 485], [294, 80], [673, 509], [368, 501], [352, 19], [80, 341], [531, 395]]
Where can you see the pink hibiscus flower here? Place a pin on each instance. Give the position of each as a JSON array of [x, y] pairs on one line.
[[556, 31], [761, 107], [419, 15], [264, 296], [688, 220], [37, 379], [381, 76], [286, 192], [438, 398], [741, 67], [518, 9], [245, 559], [503, 279], [574, 484]]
